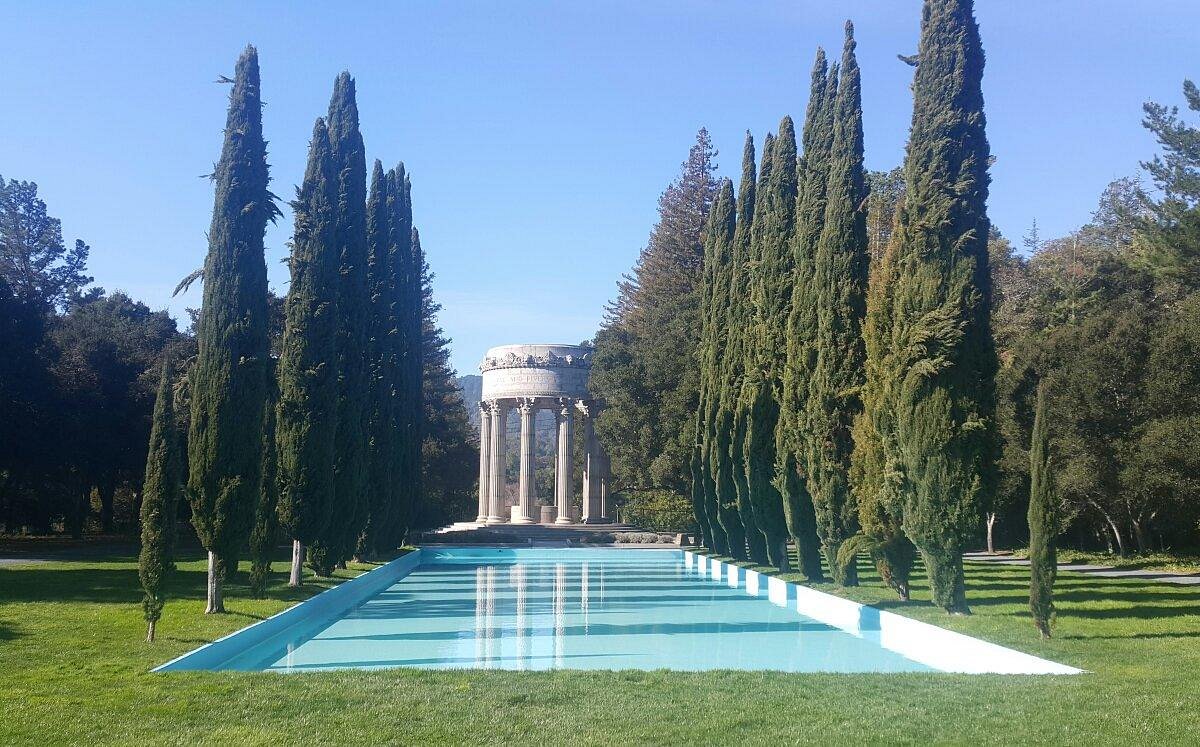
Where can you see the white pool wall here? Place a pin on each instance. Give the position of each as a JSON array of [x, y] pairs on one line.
[[941, 649]]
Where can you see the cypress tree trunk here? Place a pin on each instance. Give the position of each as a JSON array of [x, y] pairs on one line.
[[944, 401], [296, 576], [306, 419], [1043, 521], [839, 289], [160, 495], [229, 379], [337, 542], [216, 599]]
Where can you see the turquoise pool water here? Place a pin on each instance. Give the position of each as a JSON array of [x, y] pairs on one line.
[[565, 609]]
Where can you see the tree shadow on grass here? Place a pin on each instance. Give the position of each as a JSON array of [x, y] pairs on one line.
[[8, 634]]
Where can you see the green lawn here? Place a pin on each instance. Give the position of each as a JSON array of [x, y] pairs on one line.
[[74, 668]]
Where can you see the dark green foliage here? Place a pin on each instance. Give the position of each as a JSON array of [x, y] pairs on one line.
[[944, 400], [349, 503], [161, 492], [306, 419], [413, 364], [874, 474], [1171, 231], [229, 378], [644, 364], [714, 303], [794, 445], [381, 357], [657, 511], [839, 290], [448, 439], [1043, 521], [264, 537], [730, 460], [36, 266]]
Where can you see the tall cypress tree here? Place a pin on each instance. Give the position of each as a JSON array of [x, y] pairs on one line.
[[793, 442], [839, 289], [306, 420], [161, 492], [415, 362], [1043, 521], [714, 307], [754, 423], [337, 543], [381, 485], [944, 400], [407, 316], [874, 473], [264, 535], [229, 378], [703, 488], [729, 463]]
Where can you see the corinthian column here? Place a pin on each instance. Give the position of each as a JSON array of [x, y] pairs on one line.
[[528, 411], [499, 423], [564, 487], [485, 459]]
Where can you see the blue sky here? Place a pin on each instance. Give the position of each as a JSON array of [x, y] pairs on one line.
[[539, 134]]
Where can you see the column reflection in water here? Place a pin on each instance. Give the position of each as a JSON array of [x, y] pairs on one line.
[[516, 577], [490, 617], [560, 593], [480, 607], [584, 589]]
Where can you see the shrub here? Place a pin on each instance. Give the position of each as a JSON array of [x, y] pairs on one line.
[[658, 511]]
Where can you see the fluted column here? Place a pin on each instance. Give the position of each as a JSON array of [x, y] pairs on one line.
[[528, 409], [485, 461], [593, 469], [603, 480], [564, 487], [499, 426]]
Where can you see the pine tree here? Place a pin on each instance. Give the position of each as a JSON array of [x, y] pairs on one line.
[[229, 378], [1043, 521], [839, 289], [264, 535], [381, 485], [306, 420], [729, 462], [944, 398], [793, 462], [337, 543], [714, 308], [161, 492]]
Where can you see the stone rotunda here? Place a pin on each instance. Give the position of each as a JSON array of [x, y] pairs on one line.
[[529, 378]]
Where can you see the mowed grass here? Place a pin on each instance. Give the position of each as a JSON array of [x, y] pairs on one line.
[[74, 669]]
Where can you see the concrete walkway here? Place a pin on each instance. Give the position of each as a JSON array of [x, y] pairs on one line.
[[537, 535], [1106, 571]]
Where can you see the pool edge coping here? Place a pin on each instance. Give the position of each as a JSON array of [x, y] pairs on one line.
[[354, 589], [847, 615]]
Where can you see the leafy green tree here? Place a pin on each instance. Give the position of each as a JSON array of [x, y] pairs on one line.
[[794, 461], [161, 492], [337, 542], [448, 490], [839, 285], [644, 363], [38, 269], [306, 418], [1043, 521], [228, 381], [1172, 227], [713, 340], [264, 535], [381, 356], [728, 458], [944, 401]]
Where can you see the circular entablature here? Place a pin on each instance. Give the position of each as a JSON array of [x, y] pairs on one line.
[[536, 370]]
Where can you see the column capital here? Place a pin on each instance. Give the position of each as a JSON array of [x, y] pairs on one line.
[[565, 404], [526, 404]]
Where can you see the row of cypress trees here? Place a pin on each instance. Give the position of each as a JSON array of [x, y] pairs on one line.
[[323, 444], [844, 405]]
